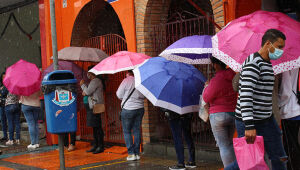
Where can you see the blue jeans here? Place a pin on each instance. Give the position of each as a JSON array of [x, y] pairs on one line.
[[13, 114], [223, 127], [181, 126], [3, 121], [272, 141], [131, 121], [31, 114]]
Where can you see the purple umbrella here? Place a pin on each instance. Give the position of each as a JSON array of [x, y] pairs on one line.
[[196, 49], [79, 73]]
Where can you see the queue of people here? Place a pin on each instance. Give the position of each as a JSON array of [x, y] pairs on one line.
[[243, 103]]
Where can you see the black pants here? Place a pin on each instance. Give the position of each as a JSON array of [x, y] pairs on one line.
[[72, 137], [290, 130], [182, 126], [98, 137]]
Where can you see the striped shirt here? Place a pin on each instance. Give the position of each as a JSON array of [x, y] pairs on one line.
[[255, 91]]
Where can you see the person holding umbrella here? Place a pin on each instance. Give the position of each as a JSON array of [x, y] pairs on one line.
[[31, 107], [94, 91], [181, 126], [222, 101], [254, 107], [131, 115], [13, 113]]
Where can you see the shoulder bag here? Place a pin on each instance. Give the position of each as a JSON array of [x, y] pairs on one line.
[[125, 102]]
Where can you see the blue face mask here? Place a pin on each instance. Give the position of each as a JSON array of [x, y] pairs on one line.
[[276, 54]]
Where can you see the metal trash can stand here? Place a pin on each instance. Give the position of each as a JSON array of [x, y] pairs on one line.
[[59, 88]]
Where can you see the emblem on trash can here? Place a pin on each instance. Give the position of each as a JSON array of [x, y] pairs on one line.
[[63, 98]]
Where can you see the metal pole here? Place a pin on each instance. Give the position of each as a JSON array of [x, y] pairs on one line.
[[55, 64], [61, 151], [53, 33]]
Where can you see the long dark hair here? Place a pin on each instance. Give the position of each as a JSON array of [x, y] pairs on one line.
[[217, 61], [1, 83]]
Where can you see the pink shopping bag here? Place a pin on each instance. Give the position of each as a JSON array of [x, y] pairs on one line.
[[250, 156]]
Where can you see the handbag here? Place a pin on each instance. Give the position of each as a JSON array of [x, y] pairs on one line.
[[203, 109], [98, 108], [125, 102]]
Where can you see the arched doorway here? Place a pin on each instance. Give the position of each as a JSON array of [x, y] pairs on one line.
[[164, 23], [98, 26]]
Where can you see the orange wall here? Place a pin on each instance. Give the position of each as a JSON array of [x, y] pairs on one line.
[[236, 8], [65, 19]]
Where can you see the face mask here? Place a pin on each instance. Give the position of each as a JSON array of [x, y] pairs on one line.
[[276, 55], [88, 76]]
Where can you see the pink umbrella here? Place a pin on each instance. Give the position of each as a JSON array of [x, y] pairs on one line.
[[242, 37], [120, 61], [23, 78]]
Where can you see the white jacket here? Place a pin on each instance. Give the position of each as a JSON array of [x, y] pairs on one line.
[[288, 105]]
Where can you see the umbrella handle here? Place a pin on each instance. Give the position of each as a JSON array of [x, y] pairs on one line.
[[208, 72]]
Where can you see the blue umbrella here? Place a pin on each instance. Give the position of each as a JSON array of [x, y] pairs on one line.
[[196, 49], [171, 85]]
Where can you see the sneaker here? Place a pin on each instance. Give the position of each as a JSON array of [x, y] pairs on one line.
[[30, 146], [190, 165], [37, 145], [9, 142], [177, 167], [131, 158], [137, 157], [71, 148], [17, 142]]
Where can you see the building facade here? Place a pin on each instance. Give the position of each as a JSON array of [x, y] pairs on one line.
[[145, 26]]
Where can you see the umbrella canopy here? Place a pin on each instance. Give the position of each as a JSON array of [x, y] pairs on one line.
[[81, 54], [22, 78], [243, 36], [79, 73], [171, 85], [120, 61], [196, 49]]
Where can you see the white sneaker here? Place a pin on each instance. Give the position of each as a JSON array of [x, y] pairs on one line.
[[17, 142], [9, 142], [137, 157], [30, 146], [37, 145], [131, 158]]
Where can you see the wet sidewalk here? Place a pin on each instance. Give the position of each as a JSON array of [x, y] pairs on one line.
[[112, 158]]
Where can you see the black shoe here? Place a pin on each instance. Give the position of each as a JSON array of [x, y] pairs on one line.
[[98, 150], [177, 167], [92, 149], [3, 139], [190, 165]]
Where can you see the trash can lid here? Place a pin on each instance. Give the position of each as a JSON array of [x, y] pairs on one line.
[[59, 77]]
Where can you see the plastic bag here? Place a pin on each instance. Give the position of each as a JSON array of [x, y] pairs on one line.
[[250, 156], [203, 109]]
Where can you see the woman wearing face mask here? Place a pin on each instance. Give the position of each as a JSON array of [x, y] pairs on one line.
[[222, 100], [94, 92]]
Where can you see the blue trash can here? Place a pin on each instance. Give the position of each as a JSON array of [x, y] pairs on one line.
[[59, 88]]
